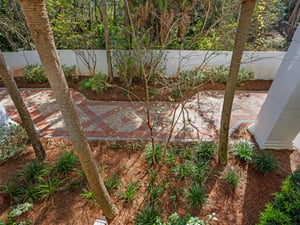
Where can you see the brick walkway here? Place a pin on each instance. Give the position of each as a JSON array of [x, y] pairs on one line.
[[199, 118]]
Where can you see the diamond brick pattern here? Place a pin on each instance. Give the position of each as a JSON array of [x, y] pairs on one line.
[[198, 118]]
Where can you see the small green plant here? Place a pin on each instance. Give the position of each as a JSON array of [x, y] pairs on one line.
[[205, 151], [232, 176], [89, 195], [147, 215], [33, 172], [155, 191], [11, 188], [152, 175], [158, 153], [112, 183], [266, 163], [185, 170], [48, 188], [195, 196], [13, 140], [243, 149], [34, 73], [66, 162], [17, 211], [175, 219], [130, 192], [199, 173]]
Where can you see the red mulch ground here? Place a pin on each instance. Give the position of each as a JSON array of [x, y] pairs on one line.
[[241, 206]]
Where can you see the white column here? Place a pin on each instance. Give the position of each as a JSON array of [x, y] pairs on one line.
[[278, 121]]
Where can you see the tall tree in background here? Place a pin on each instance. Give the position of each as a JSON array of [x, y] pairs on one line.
[[40, 29], [106, 36], [247, 7], [15, 95]]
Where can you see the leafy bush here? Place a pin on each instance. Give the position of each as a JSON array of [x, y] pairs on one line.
[[97, 83], [243, 149], [285, 209], [213, 75], [266, 163], [232, 176], [128, 65], [36, 73], [12, 141]]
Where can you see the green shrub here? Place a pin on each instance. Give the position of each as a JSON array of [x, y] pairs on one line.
[[100, 82], [266, 163], [34, 74], [213, 75], [96, 83], [243, 149], [12, 141], [285, 209]]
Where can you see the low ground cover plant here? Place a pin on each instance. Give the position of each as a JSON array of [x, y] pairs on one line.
[[243, 149], [13, 139], [265, 163]]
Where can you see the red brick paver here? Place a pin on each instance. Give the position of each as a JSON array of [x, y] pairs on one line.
[[197, 118]]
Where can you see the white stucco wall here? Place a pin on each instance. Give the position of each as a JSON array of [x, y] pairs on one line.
[[263, 64]]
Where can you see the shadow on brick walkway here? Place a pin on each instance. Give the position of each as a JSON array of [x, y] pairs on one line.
[[197, 118]]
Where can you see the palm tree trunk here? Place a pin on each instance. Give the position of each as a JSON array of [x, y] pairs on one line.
[[106, 36], [27, 122], [240, 40], [39, 26]]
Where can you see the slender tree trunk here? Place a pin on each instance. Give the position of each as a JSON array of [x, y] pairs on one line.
[[240, 40], [14, 93], [106, 36], [39, 26]]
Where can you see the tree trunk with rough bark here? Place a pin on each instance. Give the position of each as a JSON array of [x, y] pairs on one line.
[[27, 122], [247, 7], [106, 36], [39, 26]]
